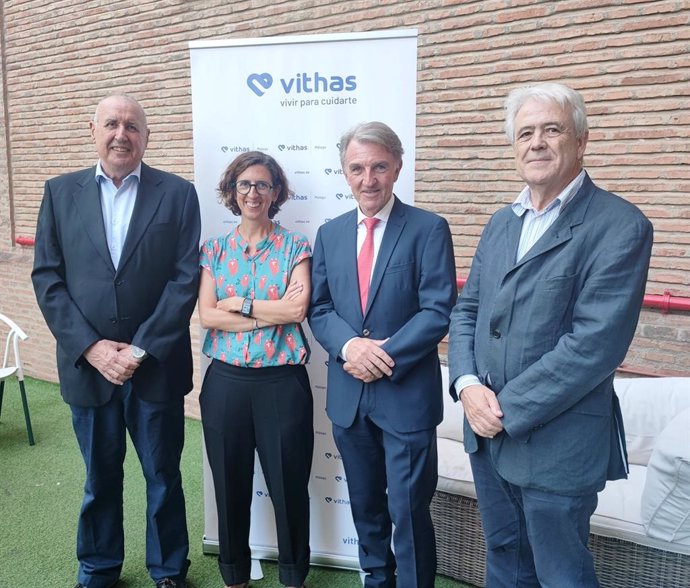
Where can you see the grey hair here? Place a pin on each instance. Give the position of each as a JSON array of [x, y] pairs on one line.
[[124, 96], [564, 96], [372, 132]]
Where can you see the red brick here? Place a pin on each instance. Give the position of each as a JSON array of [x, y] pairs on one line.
[[628, 59]]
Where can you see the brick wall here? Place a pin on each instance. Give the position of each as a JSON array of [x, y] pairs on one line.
[[629, 59]]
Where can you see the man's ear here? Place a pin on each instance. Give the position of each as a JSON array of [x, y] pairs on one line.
[[397, 173]]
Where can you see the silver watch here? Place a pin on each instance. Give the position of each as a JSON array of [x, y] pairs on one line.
[[138, 353]]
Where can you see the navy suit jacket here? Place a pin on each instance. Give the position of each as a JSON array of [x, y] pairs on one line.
[[147, 301], [548, 333], [413, 289]]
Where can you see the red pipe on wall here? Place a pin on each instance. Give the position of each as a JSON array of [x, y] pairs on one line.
[[664, 301]]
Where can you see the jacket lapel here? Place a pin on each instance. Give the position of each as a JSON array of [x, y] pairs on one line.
[[348, 238], [512, 230], [149, 197], [561, 230], [394, 227], [87, 201]]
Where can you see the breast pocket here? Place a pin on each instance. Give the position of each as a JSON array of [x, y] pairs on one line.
[[400, 275], [159, 242], [157, 227], [549, 315]]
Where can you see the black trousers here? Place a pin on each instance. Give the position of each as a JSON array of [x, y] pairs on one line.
[[269, 410]]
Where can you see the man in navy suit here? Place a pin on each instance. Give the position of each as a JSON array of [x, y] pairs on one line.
[[116, 277], [383, 285], [545, 318]]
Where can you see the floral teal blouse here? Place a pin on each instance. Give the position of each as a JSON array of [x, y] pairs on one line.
[[263, 276]]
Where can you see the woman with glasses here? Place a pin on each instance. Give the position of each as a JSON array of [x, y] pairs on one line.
[[253, 295]]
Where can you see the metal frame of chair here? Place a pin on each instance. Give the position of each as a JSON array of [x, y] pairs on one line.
[[14, 336]]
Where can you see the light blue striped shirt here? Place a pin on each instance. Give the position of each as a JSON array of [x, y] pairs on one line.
[[536, 222], [117, 205]]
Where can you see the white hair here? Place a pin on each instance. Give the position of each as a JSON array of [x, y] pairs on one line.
[[566, 97]]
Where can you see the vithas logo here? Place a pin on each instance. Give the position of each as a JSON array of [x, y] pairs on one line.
[[259, 83]]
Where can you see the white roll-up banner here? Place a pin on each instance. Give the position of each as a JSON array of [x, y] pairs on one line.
[[293, 97]]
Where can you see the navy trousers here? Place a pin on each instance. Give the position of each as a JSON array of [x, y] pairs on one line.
[[533, 538], [157, 432], [391, 478]]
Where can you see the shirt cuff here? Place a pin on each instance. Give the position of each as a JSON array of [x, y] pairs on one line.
[[464, 381], [343, 351]]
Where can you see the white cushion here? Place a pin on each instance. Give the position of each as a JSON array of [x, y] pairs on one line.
[[666, 495], [451, 426], [648, 405], [618, 509], [454, 471]]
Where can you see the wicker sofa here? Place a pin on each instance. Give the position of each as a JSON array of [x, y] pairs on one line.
[[640, 532]]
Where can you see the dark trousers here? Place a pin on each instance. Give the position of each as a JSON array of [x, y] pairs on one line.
[[157, 432], [269, 410], [533, 538], [391, 478]]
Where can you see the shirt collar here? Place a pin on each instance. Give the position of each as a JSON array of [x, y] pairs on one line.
[[100, 174], [523, 202], [382, 214]]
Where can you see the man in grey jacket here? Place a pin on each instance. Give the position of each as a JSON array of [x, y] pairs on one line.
[[546, 316]]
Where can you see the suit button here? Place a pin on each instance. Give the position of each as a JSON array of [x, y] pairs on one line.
[[119, 282], [366, 333], [113, 320], [496, 334]]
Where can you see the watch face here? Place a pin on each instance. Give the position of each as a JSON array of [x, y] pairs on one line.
[[138, 352]]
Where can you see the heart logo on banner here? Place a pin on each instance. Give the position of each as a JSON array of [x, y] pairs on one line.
[[328, 171], [259, 83], [281, 147]]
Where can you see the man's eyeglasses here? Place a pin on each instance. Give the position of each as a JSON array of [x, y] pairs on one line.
[[244, 187]]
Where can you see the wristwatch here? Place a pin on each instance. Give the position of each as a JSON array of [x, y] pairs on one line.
[[138, 353], [246, 309]]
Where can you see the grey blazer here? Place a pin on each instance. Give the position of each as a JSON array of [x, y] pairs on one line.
[[548, 333]]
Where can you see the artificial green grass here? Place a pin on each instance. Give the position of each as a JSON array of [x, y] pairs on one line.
[[40, 495]]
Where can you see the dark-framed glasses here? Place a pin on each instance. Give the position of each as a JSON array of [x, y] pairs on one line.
[[244, 187]]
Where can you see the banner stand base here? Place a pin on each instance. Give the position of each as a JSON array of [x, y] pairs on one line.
[[329, 560]]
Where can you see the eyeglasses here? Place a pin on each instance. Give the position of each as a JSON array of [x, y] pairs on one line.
[[244, 187]]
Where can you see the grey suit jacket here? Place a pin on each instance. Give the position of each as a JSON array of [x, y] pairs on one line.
[[147, 300], [548, 333]]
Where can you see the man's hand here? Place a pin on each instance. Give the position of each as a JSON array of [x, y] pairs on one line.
[[482, 410], [366, 360], [113, 360]]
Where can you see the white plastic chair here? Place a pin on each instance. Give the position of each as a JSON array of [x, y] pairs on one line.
[[14, 368]]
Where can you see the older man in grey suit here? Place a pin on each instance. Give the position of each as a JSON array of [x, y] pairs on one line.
[[547, 314]]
